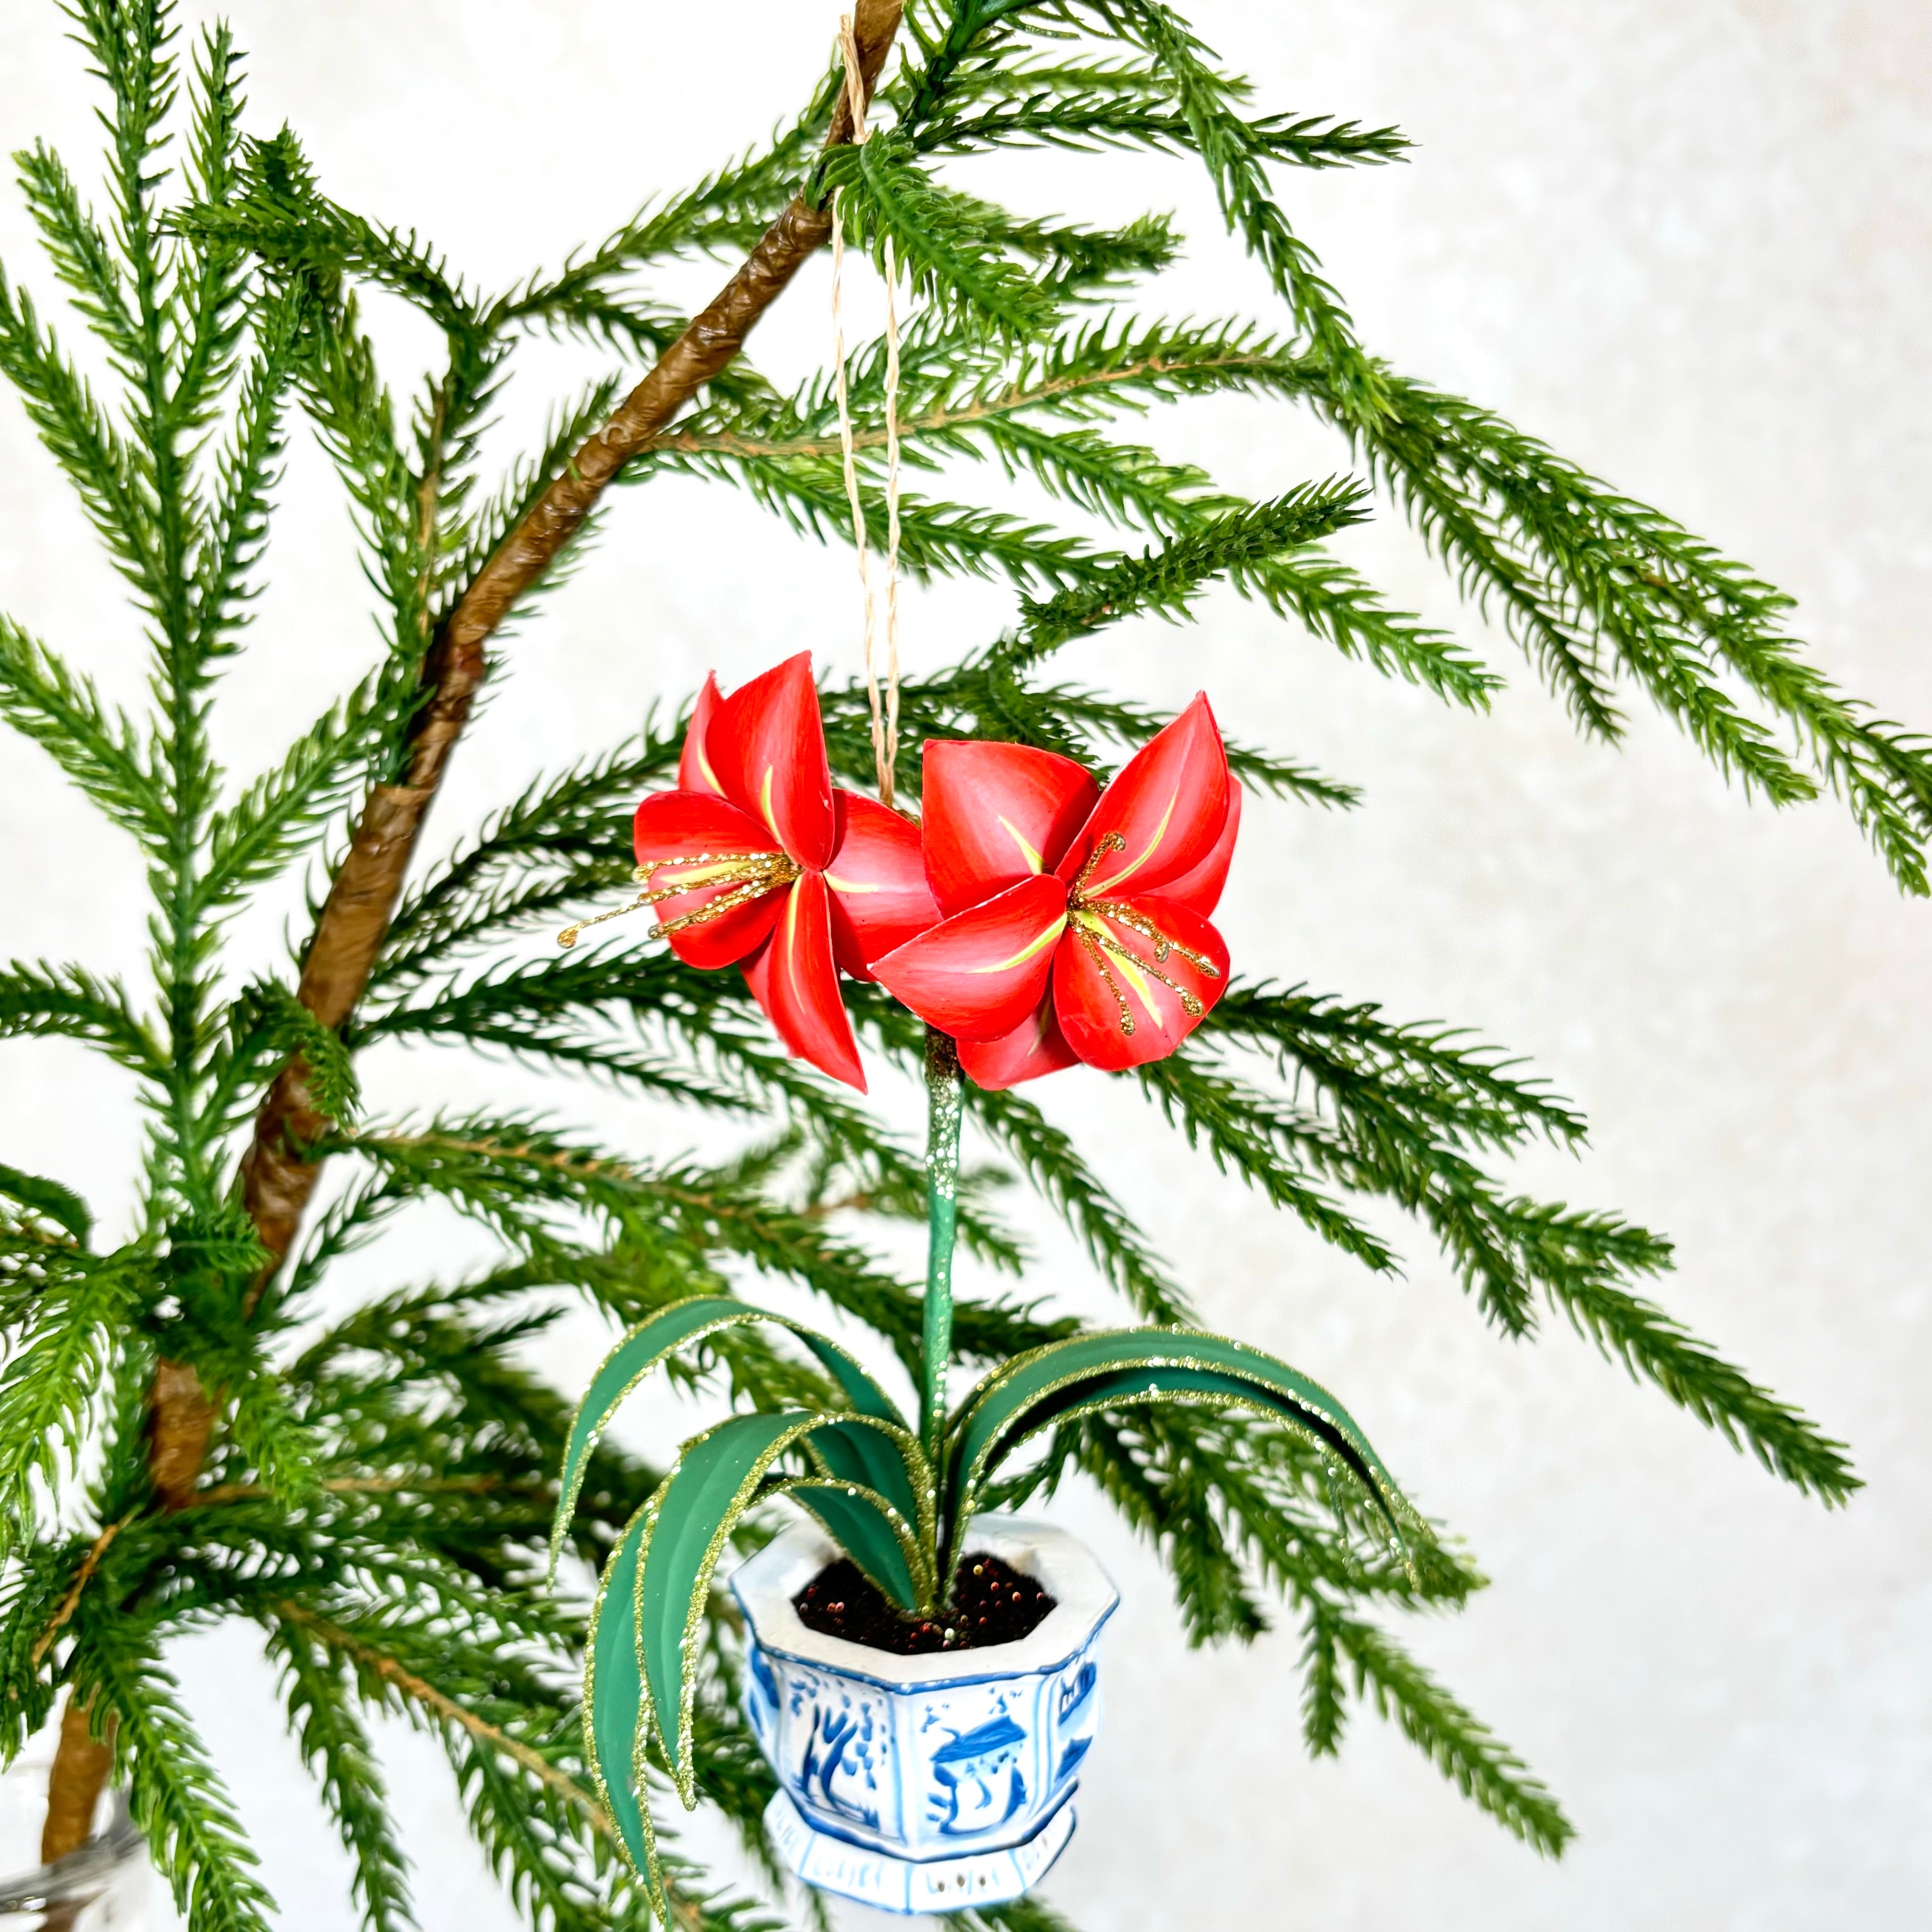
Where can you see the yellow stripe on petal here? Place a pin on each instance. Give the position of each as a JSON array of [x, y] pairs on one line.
[[1148, 851], [765, 803], [791, 931], [1031, 950], [846, 886], [1035, 862]]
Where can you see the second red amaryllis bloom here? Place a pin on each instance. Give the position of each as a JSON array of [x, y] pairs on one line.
[[756, 860], [1076, 921]]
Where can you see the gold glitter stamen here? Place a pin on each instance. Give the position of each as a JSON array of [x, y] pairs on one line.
[[1123, 915], [748, 875], [1088, 915], [1091, 940], [1113, 842]]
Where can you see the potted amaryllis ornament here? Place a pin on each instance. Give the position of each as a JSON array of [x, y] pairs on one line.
[[922, 1674]]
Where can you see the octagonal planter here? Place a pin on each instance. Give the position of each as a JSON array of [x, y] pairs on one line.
[[924, 1783]]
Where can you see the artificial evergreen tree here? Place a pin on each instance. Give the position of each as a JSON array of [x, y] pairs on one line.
[[375, 1498]]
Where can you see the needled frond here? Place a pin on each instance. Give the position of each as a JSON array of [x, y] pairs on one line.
[[247, 470], [729, 209], [1657, 1348], [77, 433], [1235, 155], [97, 748], [279, 215], [1425, 1074], [935, 539], [476, 537], [192, 1835], [82, 255], [1463, 1748], [56, 1362], [1165, 581], [335, 1746], [1592, 584], [1047, 1158], [1117, 103], [953, 250], [49, 1200], [69, 1002]]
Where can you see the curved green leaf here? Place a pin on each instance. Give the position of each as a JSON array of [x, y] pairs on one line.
[[613, 1722], [1137, 1365], [717, 1477], [872, 1533], [659, 1336]]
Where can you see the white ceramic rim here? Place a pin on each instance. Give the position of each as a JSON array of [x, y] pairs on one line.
[[1084, 1599]]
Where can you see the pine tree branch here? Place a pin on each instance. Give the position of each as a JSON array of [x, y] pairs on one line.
[[421, 1691], [177, 1800], [276, 1180]]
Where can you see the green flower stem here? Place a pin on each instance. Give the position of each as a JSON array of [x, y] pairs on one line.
[[943, 1105]]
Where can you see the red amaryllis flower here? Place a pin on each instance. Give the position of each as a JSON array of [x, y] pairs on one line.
[[757, 859], [1076, 921]]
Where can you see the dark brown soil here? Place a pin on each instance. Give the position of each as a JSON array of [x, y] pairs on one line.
[[992, 1603]]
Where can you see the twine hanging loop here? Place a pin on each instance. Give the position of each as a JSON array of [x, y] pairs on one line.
[[885, 705]]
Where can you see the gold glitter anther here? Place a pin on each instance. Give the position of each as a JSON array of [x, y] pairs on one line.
[[749, 875]]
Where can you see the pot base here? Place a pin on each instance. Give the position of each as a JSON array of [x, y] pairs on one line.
[[877, 1878]]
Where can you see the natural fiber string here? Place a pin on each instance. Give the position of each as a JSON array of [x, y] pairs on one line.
[[885, 710]]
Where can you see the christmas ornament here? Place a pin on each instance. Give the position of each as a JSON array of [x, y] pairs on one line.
[[1076, 921]]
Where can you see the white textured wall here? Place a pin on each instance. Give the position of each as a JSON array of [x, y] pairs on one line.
[[1689, 246]]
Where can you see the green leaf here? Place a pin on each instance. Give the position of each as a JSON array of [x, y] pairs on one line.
[[717, 1477], [615, 1729], [876, 1536], [59, 1205], [686, 1324], [1133, 1366]]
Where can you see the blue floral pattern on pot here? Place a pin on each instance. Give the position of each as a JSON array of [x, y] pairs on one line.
[[962, 1764]]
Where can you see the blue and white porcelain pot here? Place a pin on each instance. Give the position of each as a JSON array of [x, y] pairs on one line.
[[924, 1783]]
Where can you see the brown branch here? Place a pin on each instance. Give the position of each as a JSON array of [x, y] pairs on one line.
[[81, 1765], [376, 1485], [71, 1602], [180, 1418], [276, 1180]]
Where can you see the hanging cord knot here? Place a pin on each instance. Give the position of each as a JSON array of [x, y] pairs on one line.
[[885, 707]]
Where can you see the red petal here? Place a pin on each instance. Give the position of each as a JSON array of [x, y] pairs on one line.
[[675, 827], [767, 747], [1200, 890], [1092, 1018], [794, 978], [1034, 1047], [694, 767], [995, 814], [1169, 805], [980, 974], [879, 897]]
